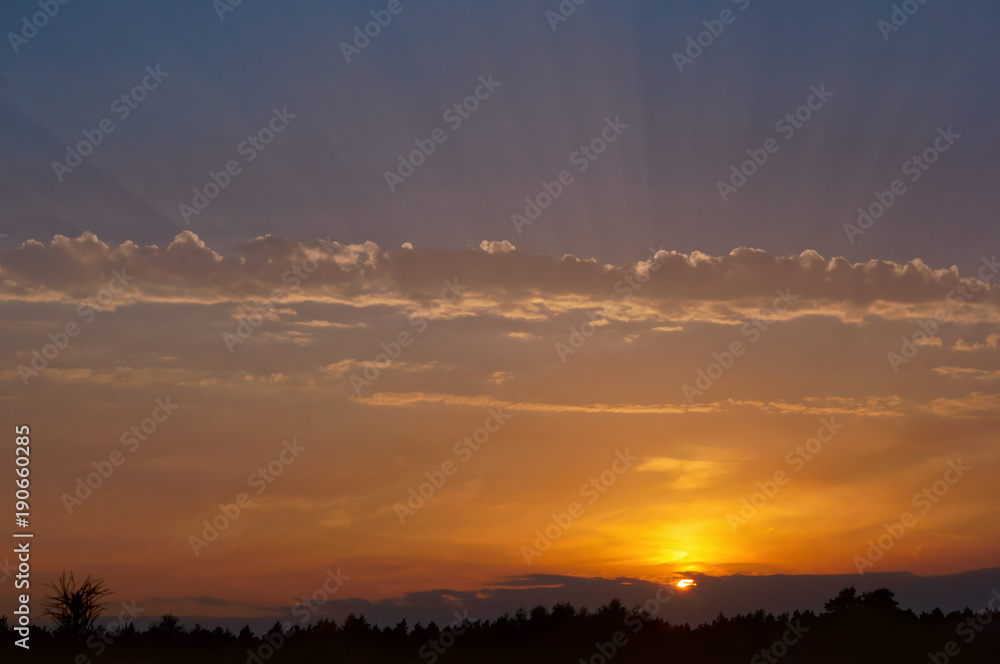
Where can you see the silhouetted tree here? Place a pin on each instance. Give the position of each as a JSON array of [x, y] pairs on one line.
[[168, 625], [883, 600], [75, 607], [845, 600]]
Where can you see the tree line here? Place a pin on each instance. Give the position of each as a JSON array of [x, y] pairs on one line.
[[853, 627]]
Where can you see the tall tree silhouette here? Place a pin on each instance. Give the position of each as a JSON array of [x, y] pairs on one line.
[[75, 607]]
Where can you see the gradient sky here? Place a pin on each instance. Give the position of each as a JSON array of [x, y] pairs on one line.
[[644, 227], [656, 186]]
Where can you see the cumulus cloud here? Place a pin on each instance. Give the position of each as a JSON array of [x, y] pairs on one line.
[[494, 247], [367, 275], [990, 342]]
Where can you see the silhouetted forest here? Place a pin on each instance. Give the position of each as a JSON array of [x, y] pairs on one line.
[[853, 628]]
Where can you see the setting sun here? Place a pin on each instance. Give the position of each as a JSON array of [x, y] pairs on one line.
[[686, 583]]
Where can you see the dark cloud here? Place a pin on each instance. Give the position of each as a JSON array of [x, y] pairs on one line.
[[714, 594], [204, 600]]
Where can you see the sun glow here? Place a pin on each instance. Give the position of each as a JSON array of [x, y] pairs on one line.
[[686, 583]]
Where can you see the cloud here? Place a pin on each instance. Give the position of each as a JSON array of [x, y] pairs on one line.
[[330, 324], [483, 401], [687, 474], [971, 405], [869, 406], [494, 247], [187, 270], [731, 594], [204, 600], [501, 377], [971, 374], [991, 342], [343, 367]]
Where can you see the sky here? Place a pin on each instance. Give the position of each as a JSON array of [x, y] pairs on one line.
[[621, 318]]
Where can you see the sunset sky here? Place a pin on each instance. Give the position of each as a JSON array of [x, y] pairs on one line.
[[640, 348]]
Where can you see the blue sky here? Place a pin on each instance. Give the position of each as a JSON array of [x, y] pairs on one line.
[[325, 174]]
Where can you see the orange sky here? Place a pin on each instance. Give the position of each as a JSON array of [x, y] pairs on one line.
[[594, 425]]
